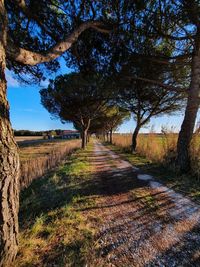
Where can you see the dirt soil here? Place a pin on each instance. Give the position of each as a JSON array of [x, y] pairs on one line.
[[143, 223]]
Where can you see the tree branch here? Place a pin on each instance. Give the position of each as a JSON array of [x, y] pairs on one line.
[[162, 59], [168, 36], [28, 57], [22, 5], [168, 87]]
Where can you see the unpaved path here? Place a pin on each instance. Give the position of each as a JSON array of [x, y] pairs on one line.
[[143, 223]]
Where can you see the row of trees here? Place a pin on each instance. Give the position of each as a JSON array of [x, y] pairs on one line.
[[85, 100], [99, 105], [148, 44]]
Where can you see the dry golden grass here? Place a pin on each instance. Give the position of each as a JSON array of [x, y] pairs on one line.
[[27, 138], [38, 157], [160, 147], [153, 146]]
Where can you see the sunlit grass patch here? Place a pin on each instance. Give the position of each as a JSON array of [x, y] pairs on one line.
[[76, 168]]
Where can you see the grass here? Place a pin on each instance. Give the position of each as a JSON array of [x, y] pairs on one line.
[[58, 217], [39, 157], [39, 148], [161, 148], [149, 201], [27, 138], [53, 230], [188, 185], [152, 146]]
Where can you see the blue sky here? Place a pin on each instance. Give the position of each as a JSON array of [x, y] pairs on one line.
[[26, 111]]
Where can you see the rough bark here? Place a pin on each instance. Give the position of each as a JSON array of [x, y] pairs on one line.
[[9, 164], [187, 128], [84, 139], [134, 138]]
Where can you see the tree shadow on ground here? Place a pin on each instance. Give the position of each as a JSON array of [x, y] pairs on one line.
[[58, 189], [143, 216]]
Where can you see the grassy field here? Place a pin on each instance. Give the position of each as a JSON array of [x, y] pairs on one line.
[[39, 156], [160, 148], [27, 138], [55, 233], [153, 146], [40, 148]]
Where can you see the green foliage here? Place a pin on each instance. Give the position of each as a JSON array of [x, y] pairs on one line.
[[75, 97], [109, 119]]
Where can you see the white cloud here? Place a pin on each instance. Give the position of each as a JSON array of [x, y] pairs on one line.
[[44, 83], [10, 80]]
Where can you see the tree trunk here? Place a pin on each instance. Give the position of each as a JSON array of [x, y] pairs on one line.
[[84, 139], [134, 138], [88, 138], [107, 137], [111, 136], [9, 164], [187, 128], [84, 133]]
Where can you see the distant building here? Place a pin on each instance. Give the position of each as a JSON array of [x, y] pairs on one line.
[[70, 134], [49, 135]]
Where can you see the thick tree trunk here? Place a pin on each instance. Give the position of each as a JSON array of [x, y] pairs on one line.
[[111, 136], [84, 134], [9, 165], [187, 128], [134, 138], [84, 139]]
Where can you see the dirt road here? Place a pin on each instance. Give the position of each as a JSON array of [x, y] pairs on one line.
[[143, 223]]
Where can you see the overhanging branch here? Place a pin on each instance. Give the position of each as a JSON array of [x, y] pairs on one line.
[[28, 57], [168, 87]]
